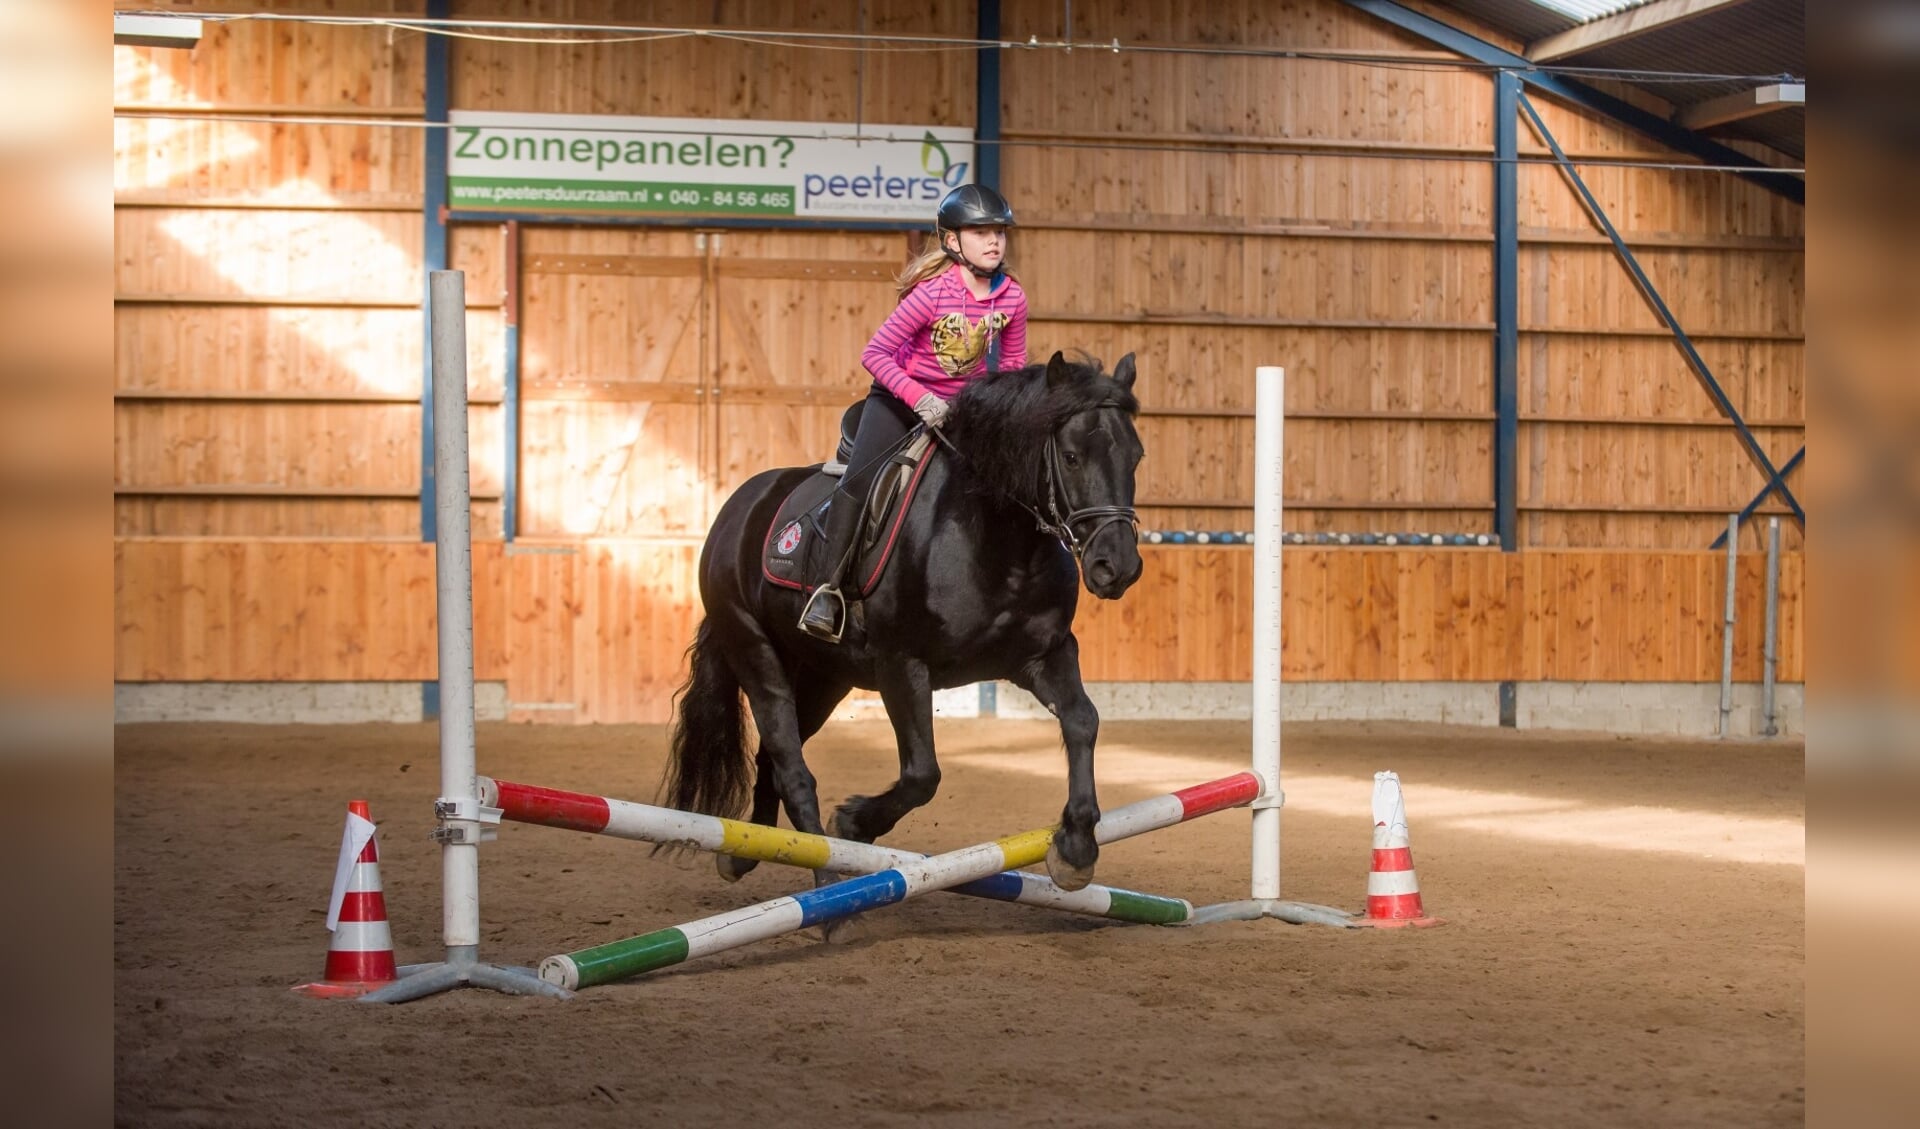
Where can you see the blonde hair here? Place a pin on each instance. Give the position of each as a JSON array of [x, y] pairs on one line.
[[931, 262]]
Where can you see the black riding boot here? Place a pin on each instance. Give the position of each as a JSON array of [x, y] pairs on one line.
[[825, 616], [883, 423]]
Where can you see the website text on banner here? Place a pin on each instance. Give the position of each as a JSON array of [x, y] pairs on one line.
[[692, 166]]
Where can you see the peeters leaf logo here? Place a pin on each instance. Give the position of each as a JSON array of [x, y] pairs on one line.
[[939, 163]]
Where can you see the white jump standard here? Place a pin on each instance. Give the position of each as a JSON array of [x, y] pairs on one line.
[[1269, 450], [461, 816]]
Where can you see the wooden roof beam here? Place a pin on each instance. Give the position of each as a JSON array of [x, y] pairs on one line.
[[1744, 104], [1622, 26]]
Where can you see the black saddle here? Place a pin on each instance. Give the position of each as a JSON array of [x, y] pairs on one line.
[[794, 556], [849, 427]]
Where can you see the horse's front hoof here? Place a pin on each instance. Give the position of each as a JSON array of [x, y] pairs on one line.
[[733, 869], [843, 931], [1065, 876], [846, 820]]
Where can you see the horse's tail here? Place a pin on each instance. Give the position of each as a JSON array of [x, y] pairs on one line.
[[709, 766]]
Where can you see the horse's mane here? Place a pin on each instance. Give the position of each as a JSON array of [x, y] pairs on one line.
[[1001, 422]]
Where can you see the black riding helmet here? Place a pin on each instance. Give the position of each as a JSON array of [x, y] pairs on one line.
[[974, 205], [971, 205]]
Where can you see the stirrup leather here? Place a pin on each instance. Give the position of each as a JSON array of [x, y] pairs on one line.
[[824, 592]]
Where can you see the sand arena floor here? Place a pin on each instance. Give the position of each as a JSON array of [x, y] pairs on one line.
[[1624, 943]]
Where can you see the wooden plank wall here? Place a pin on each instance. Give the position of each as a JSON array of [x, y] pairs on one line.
[[1208, 213], [268, 340], [1364, 267], [595, 632], [661, 369]]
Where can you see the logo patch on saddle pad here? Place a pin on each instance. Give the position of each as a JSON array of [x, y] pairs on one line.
[[796, 545]]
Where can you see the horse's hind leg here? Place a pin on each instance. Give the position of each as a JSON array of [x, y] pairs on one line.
[[1055, 680], [907, 690], [766, 809], [813, 705]]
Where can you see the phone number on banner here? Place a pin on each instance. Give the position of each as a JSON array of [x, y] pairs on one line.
[[613, 196]]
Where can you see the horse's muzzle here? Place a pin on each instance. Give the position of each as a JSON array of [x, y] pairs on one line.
[[1112, 562]]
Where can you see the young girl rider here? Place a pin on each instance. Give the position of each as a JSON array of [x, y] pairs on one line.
[[959, 309]]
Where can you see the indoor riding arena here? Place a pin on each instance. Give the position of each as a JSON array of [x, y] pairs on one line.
[[1450, 740]]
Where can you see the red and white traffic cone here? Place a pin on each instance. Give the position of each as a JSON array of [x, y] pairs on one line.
[[360, 956], [1393, 889]]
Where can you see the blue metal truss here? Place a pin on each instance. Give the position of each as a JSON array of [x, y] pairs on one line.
[[1779, 479], [1653, 125], [1775, 480]]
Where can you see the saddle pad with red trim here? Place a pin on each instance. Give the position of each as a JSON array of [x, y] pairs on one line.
[[796, 541]]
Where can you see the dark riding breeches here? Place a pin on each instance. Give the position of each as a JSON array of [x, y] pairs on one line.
[[884, 422]]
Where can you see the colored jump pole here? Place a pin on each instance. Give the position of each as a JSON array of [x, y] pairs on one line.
[[624, 819], [722, 932], [1269, 459]]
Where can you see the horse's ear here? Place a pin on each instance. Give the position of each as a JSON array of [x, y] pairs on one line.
[[1057, 373], [1123, 372]]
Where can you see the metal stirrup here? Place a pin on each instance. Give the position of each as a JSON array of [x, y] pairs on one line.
[[830, 591]]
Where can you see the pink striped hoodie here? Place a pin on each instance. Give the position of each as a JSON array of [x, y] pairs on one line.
[[939, 335]]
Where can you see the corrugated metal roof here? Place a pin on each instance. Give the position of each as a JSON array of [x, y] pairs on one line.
[[1585, 11], [1523, 19], [1785, 130], [1761, 37]]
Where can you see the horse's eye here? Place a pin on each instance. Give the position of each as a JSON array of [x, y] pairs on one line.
[[1071, 459]]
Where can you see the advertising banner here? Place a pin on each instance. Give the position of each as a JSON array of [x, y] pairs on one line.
[[574, 164]]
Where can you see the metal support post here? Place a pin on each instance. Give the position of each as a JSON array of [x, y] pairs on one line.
[[1506, 309], [986, 96], [1726, 632], [510, 392], [433, 257], [1770, 653]]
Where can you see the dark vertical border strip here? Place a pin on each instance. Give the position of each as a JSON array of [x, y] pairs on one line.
[[433, 257], [986, 130], [1506, 309], [510, 399]]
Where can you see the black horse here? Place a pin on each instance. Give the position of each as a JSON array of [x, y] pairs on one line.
[[1038, 476]]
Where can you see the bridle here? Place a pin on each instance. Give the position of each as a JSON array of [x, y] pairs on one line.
[[1053, 523], [1062, 527]]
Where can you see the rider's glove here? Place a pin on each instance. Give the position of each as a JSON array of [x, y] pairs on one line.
[[931, 409]]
